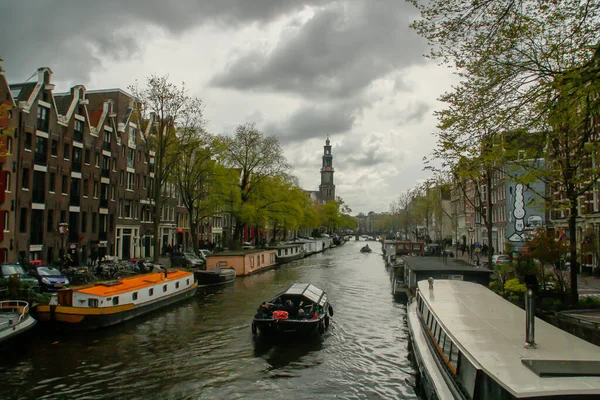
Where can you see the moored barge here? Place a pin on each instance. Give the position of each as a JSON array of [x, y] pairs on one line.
[[109, 303]]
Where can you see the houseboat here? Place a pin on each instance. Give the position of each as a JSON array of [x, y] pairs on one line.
[[422, 268], [14, 319], [109, 303], [288, 252], [214, 276], [470, 343], [245, 262], [398, 276], [409, 248]]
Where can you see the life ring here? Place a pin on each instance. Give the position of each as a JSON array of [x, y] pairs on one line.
[[254, 328], [330, 310]]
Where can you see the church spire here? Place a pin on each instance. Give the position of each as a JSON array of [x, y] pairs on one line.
[[327, 188]]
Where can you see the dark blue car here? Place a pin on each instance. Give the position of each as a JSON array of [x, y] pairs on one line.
[[50, 278]]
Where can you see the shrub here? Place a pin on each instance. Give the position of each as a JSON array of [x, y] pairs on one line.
[[514, 289]]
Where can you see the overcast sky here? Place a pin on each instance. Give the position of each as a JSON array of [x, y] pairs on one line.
[[299, 69]]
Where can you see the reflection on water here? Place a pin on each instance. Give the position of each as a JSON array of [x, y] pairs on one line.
[[204, 349]]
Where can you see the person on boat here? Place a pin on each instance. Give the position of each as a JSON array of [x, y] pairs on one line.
[[291, 310], [264, 311]]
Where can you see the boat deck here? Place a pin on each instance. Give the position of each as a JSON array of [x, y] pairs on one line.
[[132, 283], [491, 333]]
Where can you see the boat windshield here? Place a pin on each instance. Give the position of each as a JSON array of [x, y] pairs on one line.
[[48, 271], [12, 270]]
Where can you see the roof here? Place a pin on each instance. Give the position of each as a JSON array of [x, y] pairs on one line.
[[307, 290], [132, 283], [63, 102], [25, 90], [491, 331], [430, 264]]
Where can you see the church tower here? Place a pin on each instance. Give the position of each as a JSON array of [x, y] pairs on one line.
[[327, 188]]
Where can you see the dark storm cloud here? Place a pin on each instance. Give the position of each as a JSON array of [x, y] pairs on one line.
[[73, 37], [314, 121], [337, 53]]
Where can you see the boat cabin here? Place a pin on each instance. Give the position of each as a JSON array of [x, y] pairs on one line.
[[405, 248], [245, 262], [135, 290], [307, 294], [419, 269], [477, 339]]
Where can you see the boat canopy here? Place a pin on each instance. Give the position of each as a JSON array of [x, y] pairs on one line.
[[309, 291]]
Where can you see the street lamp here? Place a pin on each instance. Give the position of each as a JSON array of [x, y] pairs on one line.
[[63, 230]]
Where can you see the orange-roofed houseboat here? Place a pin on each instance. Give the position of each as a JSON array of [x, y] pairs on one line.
[[109, 303]]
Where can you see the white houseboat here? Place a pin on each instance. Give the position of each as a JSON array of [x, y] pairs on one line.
[[470, 343], [289, 252]]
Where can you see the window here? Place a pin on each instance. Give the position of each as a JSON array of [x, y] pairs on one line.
[[28, 139], [43, 114], [86, 156], [54, 148], [114, 164], [25, 180], [86, 187], [97, 159], [128, 208], [94, 222], [112, 192], [151, 292], [115, 301], [187, 282], [121, 178], [5, 221], [83, 222], [7, 181], [50, 221], [51, 182], [23, 220], [95, 189], [9, 145], [66, 151], [93, 303], [176, 285], [78, 130], [134, 296], [164, 288], [130, 181], [65, 184]]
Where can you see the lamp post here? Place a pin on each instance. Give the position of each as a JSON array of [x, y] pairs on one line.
[[63, 230]]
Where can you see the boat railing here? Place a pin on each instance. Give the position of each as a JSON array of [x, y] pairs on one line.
[[19, 306], [579, 319]]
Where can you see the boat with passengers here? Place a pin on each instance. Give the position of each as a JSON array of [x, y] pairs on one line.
[[470, 343], [302, 309]]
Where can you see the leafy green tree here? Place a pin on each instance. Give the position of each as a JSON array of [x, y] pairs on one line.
[[257, 158], [160, 107], [528, 65]]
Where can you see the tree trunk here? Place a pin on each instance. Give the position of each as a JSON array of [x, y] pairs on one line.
[[194, 234], [490, 223], [573, 249]]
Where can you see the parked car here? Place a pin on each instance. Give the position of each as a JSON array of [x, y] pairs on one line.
[[188, 260], [205, 252], [50, 278], [9, 270], [500, 259]]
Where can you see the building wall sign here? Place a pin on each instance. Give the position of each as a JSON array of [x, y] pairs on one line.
[[524, 207]]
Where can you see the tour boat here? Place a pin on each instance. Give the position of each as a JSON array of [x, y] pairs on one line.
[[109, 303], [302, 309], [470, 343], [365, 249], [14, 319]]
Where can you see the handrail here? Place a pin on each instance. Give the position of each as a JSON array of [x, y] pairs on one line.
[[583, 321], [18, 305]]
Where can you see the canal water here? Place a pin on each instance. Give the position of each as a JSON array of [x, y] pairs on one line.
[[203, 348]]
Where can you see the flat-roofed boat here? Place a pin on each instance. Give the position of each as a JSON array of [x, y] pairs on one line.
[[289, 252], [470, 343], [214, 276], [302, 309], [14, 319], [109, 303]]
